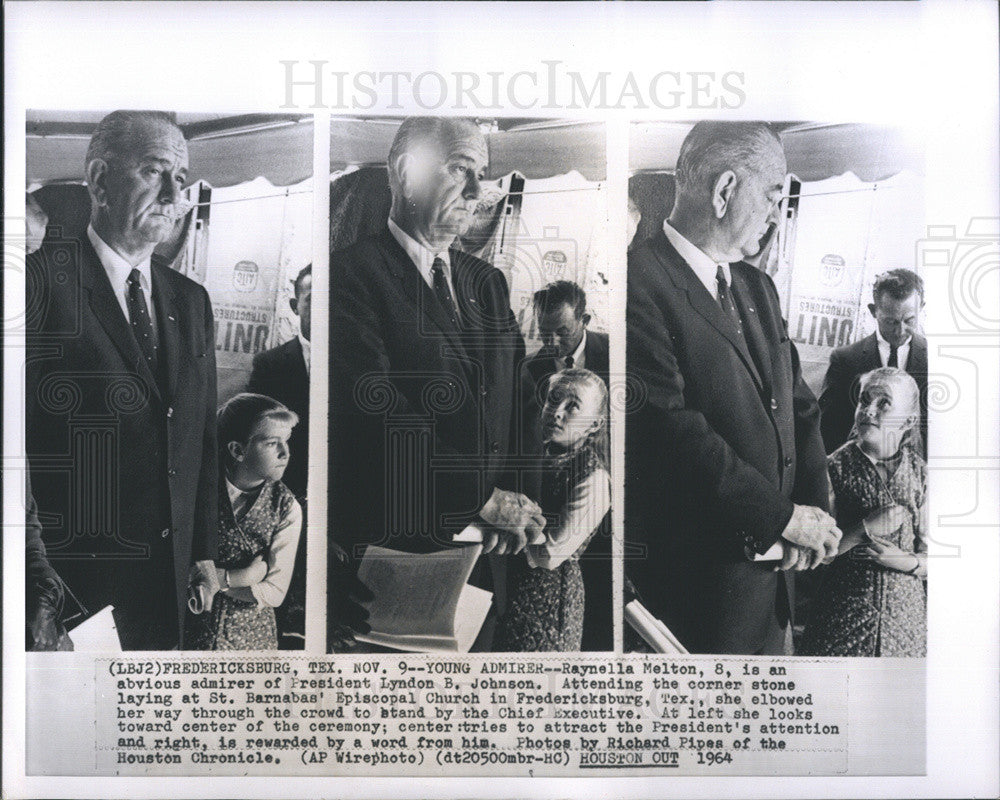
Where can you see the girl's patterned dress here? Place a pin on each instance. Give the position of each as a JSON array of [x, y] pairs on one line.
[[863, 608], [545, 607], [235, 624]]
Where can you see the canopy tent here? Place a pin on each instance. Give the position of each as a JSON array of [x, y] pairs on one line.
[[815, 151], [535, 149], [223, 150]]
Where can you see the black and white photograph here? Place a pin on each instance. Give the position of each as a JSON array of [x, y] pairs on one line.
[[533, 400], [776, 479], [470, 485], [167, 380]]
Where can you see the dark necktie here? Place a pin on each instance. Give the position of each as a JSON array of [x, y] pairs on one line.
[[443, 292], [893, 356], [142, 325], [569, 362], [726, 299]]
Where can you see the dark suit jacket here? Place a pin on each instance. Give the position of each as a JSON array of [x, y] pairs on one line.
[[281, 373], [839, 397], [595, 563], [539, 367], [123, 469], [723, 439], [422, 414]]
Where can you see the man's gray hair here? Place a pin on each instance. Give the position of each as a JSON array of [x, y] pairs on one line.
[[711, 148], [425, 130], [115, 133]]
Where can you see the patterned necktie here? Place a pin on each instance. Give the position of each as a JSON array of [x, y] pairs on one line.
[[443, 292], [142, 325], [726, 299], [893, 356]]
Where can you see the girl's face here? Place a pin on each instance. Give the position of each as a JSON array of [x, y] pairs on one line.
[[883, 416], [266, 454], [572, 411]]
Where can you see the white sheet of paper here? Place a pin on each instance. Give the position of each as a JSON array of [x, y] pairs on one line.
[[97, 634]]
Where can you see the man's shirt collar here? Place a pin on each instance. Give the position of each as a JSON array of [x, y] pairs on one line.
[[422, 257], [705, 268]]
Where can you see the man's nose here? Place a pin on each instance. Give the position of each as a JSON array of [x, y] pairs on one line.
[[774, 216], [170, 191], [473, 188]]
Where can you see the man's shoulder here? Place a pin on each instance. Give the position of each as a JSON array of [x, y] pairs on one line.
[[178, 283], [852, 352], [277, 353]]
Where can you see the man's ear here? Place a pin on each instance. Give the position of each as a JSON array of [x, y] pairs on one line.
[[722, 192], [871, 309], [97, 176], [235, 451], [405, 174], [585, 319], [294, 303]]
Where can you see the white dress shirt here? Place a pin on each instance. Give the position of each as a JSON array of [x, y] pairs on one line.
[[423, 258], [579, 355], [704, 267], [902, 352], [280, 556], [118, 270]]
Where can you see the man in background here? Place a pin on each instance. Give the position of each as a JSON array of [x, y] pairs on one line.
[[897, 301]]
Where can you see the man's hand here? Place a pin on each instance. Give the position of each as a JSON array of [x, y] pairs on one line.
[[814, 529], [45, 631], [515, 521], [798, 558], [346, 614]]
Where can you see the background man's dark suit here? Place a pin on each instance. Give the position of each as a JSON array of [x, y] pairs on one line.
[[114, 454], [839, 397], [406, 387], [281, 373], [540, 366], [723, 441], [596, 560]]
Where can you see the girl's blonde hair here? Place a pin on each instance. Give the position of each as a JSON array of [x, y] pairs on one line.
[[904, 379]]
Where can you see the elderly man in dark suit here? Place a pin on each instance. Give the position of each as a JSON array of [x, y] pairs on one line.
[[121, 392], [898, 297], [724, 458], [425, 353], [561, 320]]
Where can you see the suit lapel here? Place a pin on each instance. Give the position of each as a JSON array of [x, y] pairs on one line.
[[752, 330], [167, 319], [702, 302], [916, 359], [108, 311], [418, 292], [871, 358]]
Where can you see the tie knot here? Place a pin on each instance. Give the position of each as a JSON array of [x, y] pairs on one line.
[[135, 277], [438, 265], [569, 362], [720, 275]]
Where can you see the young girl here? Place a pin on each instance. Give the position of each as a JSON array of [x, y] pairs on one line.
[[873, 600], [259, 525], [545, 604]]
